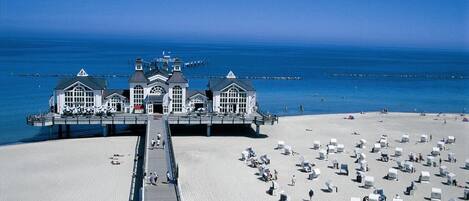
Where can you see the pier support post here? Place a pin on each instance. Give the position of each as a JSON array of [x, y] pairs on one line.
[[113, 129], [105, 130], [67, 131], [258, 129], [60, 131], [209, 130]]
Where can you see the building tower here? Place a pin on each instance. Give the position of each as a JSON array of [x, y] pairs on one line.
[[137, 84], [177, 89]]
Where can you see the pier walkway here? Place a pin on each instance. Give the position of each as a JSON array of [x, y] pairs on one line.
[[157, 160]]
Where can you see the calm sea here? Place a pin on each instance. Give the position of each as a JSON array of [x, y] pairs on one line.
[[334, 79]]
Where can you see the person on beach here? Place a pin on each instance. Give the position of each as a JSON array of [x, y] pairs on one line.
[[168, 176], [275, 174], [163, 144], [293, 180], [431, 137], [311, 194]]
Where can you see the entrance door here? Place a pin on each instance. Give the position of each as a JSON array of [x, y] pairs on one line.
[[158, 108], [118, 107], [198, 105]]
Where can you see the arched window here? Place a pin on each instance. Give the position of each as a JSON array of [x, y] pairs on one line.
[[177, 99], [138, 97], [157, 90], [233, 100], [79, 97]]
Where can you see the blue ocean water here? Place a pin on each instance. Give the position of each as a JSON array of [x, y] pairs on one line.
[[334, 79]]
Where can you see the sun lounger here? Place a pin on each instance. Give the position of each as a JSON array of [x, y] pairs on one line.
[[436, 194], [405, 138], [316, 144], [398, 151], [369, 181], [363, 165], [343, 169], [244, 155], [330, 186], [466, 164], [424, 138], [357, 152], [466, 194], [332, 148], [424, 176], [392, 174], [362, 143]]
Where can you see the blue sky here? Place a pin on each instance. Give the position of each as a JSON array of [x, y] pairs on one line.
[[406, 23]]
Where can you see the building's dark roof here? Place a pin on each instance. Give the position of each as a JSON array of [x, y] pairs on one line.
[[154, 99], [157, 71], [122, 92], [92, 82], [177, 77], [191, 93], [138, 77], [217, 84]]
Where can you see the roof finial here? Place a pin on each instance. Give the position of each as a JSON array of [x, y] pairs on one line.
[[231, 75], [82, 73], [138, 64]]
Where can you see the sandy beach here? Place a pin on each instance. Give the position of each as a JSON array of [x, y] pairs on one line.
[[210, 168], [70, 169]]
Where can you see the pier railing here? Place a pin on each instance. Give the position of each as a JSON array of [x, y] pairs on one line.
[[172, 160], [49, 120]]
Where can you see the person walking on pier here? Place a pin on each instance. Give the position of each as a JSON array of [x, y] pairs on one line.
[[311, 194], [158, 143], [153, 142]]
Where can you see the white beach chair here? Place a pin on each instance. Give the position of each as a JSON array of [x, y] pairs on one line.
[[280, 144], [443, 170], [408, 166], [287, 150], [440, 145], [376, 148], [430, 160], [398, 151], [357, 152], [392, 174], [383, 142], [451, 157], [330, 186], [405, 138], [369, 182], [373, 197], [362, 143], [314, 174], [362, 165], [399, 164], [332, 148], [466, 164], [333, 141], [435, 151], [340, 147], [322, 154], [466, 193], [244, 155], [436, 194], [451, 139], [362, 156], [424, 176], [450, 178], [316, 144], [424, 138]]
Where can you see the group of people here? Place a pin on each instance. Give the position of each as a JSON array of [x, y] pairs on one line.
[[157, 142]]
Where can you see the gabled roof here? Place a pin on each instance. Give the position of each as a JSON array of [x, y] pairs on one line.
[[91, 82], [217, 84], [138, 77], [191, 93], [157, 71], [177, 77], [122, 92], [154, 99]]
